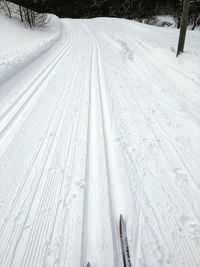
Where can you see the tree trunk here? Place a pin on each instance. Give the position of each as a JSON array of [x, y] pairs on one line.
[[196, 19], [184, 22], [21, 14]]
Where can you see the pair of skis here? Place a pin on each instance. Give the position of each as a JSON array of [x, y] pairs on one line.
[[124, 243]]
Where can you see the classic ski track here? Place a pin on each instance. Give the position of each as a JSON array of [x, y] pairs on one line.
[[27, 95], [90, 135], [50, 147], [48, 238], [110, 162]]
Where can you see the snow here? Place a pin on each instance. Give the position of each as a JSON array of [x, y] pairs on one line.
[[103, 123], [163, 18], [28, 43]]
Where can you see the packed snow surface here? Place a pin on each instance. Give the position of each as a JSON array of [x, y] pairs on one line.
[[20, 45], [105, 122]]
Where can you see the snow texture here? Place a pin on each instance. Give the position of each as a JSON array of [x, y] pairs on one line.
[[20, 46], [105, 122]]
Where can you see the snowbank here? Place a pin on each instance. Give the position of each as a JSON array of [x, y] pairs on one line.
[[161, 21], [20, 45], [160, 44], [165, 21]]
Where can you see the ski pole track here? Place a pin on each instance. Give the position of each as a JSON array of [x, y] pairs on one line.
[[27, 94], [47, 154], [141, 132]]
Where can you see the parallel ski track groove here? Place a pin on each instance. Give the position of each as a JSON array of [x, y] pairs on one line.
[[115, 236]]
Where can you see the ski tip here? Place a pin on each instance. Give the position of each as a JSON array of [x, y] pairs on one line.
[[88, 265], [120, 225]]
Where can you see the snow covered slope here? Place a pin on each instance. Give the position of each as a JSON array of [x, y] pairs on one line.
[[20, 45], [104, 123]]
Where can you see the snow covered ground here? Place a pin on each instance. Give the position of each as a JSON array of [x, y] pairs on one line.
[[105, 122], [20, 46]]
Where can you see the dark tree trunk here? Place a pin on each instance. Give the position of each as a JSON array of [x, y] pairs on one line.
[[196, 20]]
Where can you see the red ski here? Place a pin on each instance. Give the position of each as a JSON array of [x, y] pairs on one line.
[[124, 242]]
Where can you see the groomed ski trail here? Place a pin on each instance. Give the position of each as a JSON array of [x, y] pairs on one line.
[[90, 130]]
